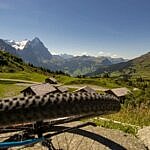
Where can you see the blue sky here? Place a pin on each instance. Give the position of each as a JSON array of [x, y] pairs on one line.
[[92, 27]]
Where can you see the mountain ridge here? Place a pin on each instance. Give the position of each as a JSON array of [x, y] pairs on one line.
[[139, 66]]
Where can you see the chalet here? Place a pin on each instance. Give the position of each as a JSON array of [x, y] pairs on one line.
[[39, 89], [85, 89], [51, 80], [62, 89], [120, 93]]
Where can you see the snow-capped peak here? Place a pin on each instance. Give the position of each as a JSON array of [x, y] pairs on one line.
[[18, 45]]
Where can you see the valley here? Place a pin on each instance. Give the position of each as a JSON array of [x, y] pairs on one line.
[[16, 75], [136, 103]]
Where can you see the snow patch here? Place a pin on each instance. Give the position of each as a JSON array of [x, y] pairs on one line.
[[18, 45]]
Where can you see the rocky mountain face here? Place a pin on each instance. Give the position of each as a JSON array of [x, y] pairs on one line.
[[36, 53], [33, 52], [6, 47]]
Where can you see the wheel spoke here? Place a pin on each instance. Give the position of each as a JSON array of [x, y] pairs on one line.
[[80, 143], [57, 142], [67, 145], [71, 139]]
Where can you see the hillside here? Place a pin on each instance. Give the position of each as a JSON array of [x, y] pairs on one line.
[[139, 66], [14, 68], [10, 63], [13, 71]]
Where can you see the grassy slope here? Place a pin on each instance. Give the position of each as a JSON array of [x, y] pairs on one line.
[[137, 67], [142, 65], [9, 89], [24, 75], [137, 116], [12, 67], [103, 82]]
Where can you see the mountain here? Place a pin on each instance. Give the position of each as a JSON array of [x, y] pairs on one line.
[[35, 52], [81, 65], [78, 65], [66, 56], [116, 60], [6, 47], [139, 66]]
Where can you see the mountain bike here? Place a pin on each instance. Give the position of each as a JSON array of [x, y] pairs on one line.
[[25, 121]]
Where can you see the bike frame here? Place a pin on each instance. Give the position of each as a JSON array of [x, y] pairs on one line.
[[40, 128]]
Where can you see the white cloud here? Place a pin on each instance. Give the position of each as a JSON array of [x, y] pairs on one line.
[[53, 52], [101, 53], [108, 54], [87, 53], [84, 53], [114, 56]]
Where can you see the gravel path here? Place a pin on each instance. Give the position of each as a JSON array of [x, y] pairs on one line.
[[93, 138]]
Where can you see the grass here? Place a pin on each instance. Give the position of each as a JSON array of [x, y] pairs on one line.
[[103, 82], [112, 125], [71, 89], [9, 89], [137, 117], [66, 80], [30, 76]]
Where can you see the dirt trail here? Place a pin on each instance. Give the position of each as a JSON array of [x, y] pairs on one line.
[[18, 80]]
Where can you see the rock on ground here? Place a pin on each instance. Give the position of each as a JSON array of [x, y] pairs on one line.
[[144, 136]]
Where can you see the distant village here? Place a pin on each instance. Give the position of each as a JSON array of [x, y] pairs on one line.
[[51, 85]]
